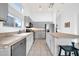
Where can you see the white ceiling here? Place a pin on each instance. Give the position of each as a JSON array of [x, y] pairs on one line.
[[42, 7], [41, 11]]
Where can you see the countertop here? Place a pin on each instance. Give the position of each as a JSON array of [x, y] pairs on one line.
[[7, 41], [36, 29], [64, 35]]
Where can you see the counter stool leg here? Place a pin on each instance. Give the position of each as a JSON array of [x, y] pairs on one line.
[[65, 53], [76, 53], [59, 52], [69, 53]]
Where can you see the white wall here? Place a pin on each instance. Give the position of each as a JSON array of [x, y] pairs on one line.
[[78, 23], [41, 17], [69, 13], [27, 11], [58, 22], [68, 17]]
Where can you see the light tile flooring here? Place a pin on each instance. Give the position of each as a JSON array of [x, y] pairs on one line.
[[39, 48]]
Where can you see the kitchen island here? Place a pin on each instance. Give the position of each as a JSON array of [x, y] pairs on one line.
[[55, 39]]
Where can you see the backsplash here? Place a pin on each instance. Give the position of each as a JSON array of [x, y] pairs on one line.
[[8, 29]]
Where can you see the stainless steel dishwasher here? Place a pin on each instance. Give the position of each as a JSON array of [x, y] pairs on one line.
[[19, 48]]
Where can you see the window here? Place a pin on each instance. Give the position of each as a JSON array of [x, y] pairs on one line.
[[17, 22], [18, 7], [12, 21], [9, 21]]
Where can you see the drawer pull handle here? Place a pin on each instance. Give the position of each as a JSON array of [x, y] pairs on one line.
[[21, 43]]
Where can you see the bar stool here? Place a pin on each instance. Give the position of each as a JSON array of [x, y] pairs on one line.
[[68, 49]]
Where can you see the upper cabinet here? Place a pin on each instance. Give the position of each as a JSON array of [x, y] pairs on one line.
[[14, 15], [3, 11]]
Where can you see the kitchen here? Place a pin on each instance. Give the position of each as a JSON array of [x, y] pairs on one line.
[[22, 25]]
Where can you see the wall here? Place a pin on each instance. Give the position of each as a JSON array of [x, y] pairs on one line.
[[69, 13], [78, 23], [41, 16], [68, 17], [58, 22], [27, 11]]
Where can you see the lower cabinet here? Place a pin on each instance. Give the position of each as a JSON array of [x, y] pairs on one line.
[[20, 48], [6, 51], [50, 42], [17, 49], [29, 43]]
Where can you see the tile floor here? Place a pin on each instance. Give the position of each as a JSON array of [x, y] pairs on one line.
[[39, 48]]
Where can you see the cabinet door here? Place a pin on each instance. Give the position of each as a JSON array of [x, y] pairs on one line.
[[48, 40], [29, 43], [52, 45], [5, 51]]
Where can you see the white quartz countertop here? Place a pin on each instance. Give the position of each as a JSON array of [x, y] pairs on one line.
[[10, 40]]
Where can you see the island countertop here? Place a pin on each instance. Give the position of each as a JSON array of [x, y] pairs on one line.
[[10, 40], [64, 35]]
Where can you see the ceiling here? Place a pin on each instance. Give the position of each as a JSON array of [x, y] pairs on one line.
[[42, 7]]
